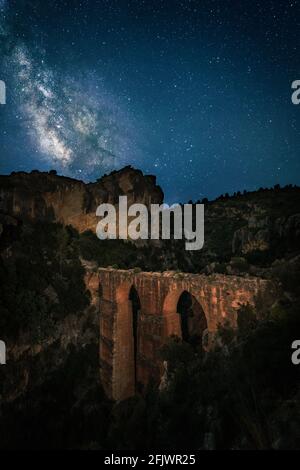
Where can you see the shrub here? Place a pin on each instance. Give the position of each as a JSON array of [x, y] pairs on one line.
[[240, 264]]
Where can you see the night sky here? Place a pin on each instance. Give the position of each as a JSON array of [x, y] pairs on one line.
[[196, 92]]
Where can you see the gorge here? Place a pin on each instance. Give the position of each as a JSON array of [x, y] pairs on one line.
[[99, 328]]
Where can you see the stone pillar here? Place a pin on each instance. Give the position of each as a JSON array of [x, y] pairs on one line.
[[123, 379], [106, 347], [172, 325]]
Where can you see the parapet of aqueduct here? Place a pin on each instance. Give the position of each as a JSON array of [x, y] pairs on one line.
[[138, 311]]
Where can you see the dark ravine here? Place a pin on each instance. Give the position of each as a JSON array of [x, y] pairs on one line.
[[49, 309]]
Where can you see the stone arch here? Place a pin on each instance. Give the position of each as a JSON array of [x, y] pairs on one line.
[[183, 324], [192, 318], [126, 340]]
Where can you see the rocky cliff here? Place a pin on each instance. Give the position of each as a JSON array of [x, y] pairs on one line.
[[48, 197], [247, 228]]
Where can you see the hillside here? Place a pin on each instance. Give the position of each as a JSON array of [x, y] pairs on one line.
[[50, 389]]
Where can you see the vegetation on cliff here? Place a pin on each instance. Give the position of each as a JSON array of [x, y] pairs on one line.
[[41, 281], [244, 394]]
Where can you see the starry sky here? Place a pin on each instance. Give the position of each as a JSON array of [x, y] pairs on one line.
[[197, 92]]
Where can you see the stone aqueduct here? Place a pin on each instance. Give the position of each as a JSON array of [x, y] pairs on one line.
[[133, 328]]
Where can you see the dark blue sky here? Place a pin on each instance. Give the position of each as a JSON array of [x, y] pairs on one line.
[[196, 92]]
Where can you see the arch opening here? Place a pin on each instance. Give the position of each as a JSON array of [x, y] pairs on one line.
[[193, 321]]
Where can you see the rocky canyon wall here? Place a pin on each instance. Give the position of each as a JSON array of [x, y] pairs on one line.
[[48, 197]]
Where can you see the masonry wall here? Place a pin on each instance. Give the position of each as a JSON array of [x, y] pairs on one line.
[[219, 295]]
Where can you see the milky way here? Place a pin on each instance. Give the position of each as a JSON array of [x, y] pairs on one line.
[[77, 131], [74, 125]]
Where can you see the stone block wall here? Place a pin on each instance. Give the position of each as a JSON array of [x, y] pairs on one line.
[[220, 297]]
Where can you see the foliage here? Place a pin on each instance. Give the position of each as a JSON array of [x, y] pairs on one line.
[[62, 412], [244, 396], [239, 264], [40, 282], [118, 253]]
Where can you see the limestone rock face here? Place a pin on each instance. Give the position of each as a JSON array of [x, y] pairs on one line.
[[251, 237], [8, 230], [262, 234], [48, 197]]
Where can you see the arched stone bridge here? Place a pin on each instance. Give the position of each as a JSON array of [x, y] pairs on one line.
[[139, 310]]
